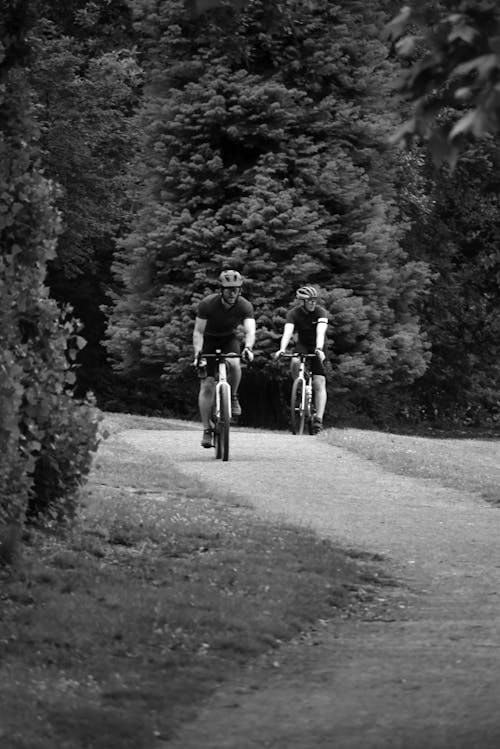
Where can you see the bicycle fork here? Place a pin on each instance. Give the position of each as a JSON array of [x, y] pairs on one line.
[[222, 383], [218, 389]]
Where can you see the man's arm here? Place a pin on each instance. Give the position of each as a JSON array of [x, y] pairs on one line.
[[287, 334], [249, 330], [321, 327], [198, 335]]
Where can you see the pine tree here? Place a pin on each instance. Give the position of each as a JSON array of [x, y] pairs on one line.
[[265, 149]]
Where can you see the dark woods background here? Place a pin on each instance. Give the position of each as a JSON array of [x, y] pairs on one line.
[[180, 137]]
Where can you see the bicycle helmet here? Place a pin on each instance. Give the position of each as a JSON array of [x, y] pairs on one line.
[[306, 292], [230, 278]]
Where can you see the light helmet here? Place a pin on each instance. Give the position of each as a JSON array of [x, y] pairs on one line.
[[307, 292], [230, 279]]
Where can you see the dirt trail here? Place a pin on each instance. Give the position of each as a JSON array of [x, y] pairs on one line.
[[427, 676]]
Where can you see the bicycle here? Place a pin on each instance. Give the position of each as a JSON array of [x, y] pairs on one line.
[[221, 414], [302, 409]]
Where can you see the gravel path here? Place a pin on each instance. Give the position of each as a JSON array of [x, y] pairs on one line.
[[428, 677]]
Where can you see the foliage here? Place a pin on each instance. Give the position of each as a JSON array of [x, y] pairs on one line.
[[460, 240], [450, 76], [65, 457], [66, 428], [87, 81], [264, 148], [35, 364], [452, 49], [28, 227]]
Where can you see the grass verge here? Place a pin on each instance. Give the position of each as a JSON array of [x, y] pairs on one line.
[[470, 465], [113, 633]]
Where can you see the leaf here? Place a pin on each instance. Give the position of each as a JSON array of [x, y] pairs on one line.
[[406, 46], [474, 122], [464, 32], [483, 65], [463, 93], [404, 132], [396, 27], [80, 342]]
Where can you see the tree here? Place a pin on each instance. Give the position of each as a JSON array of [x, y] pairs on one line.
[[88, 82], [452, 49], [459, 237], [46, 438], [264, 148]]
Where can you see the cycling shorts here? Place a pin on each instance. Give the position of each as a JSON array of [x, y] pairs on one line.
[[316, 366], [227, 344]]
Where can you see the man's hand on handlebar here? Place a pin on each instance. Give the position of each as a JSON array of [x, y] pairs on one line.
[[278, 354], [247, 355], [199, 361], [320, 354]]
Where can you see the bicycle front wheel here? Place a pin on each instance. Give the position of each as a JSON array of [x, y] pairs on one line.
[[310, 411], [297, 415], [217, 439], [225, 421]]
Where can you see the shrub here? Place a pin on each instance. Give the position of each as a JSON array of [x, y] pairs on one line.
[[46, 438], [61, 432], [71, 435]]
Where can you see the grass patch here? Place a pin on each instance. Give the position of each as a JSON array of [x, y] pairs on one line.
[[470, 465], [112, 633]]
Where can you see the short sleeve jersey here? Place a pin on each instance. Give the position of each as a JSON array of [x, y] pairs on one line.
[[305, 323], [222, 321]]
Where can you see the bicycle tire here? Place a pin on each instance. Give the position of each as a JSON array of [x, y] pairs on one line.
[[309, 412], [297, 414], [217, 439], [216, 431], [225, 421]]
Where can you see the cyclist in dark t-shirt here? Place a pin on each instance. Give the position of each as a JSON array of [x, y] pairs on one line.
[[217, 319], [309, 321]]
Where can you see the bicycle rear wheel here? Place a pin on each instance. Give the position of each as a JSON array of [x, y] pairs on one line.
[[297, 414]]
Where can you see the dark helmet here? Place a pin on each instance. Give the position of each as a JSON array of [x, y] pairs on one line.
[[307, 292], [230, 278]]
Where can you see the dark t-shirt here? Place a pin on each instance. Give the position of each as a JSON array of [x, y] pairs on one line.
[[305, 323], [223, 321]]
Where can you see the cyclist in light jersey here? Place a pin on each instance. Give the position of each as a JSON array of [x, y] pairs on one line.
[[217, 318], [309, 321]]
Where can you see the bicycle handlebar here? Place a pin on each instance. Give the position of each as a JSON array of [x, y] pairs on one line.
[[220, 355], [298, 355]]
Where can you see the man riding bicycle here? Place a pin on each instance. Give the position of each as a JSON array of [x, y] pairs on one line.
[[217, 319], [309, 320]]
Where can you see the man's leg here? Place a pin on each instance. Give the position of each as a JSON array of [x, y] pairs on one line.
[[234, 379], [319, 385], [205, 402]]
